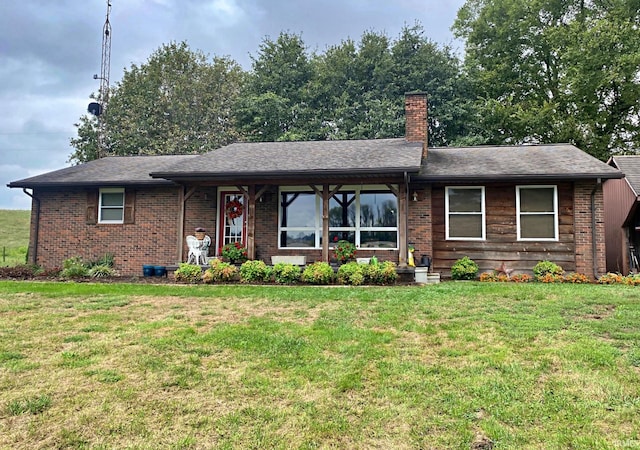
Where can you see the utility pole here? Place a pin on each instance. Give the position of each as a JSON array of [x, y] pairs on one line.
[[99, 108]]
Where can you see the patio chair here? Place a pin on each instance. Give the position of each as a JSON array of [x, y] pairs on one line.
[[195, 250]]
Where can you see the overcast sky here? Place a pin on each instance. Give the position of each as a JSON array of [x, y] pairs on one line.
[[50, 50]]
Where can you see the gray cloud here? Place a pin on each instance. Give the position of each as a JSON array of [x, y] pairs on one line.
[[49, 52]]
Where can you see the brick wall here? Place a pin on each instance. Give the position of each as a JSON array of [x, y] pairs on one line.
[[64, 233], [420, 233], [584, 229]]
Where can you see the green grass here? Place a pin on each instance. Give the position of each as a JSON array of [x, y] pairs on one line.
[[14, 236], [444, 366]]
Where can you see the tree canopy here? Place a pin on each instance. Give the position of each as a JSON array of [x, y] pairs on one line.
[[178, 102], [555, 71], [540, 71]]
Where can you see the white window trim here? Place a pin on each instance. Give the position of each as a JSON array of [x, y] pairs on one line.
[[318, 218], [482, 213], [100, 207], [555, 212]]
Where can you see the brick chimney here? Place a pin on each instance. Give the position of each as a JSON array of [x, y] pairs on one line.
[[415, 110]]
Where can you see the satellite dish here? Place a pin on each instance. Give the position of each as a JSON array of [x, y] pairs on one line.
[[95, 108]]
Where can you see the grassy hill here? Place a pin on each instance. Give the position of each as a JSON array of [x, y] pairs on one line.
[[14, 236]]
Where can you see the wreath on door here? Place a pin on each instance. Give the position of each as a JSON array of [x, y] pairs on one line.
[[233, 209]]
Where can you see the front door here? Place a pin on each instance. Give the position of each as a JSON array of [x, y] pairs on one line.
[[232, 218]]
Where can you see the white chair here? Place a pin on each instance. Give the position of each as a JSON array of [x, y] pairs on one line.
[[195, 250], [204, 250]]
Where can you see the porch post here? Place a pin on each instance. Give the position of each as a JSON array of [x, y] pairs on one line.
[[180, 236], [251, 223], [325, 223], [402, 225]]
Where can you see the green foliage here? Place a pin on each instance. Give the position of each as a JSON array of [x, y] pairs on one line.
[[379, 272], [286, 273], [188, 273], [74, 268], [254, 271], [344, 251], [545, 268], [178, 102], [464, 269], [234, 252], [101, 271], [351, 273], [319, 272], [14, 236], [219, 272], [555, 71]]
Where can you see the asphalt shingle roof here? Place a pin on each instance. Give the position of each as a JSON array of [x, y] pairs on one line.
[[495, 163], [109, 171], [630, 166], [303, 158]]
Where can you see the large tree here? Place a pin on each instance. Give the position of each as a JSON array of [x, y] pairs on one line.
[[178, 102], [555, 71]]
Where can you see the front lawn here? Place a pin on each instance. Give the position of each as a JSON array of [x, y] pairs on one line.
[[453, 365]]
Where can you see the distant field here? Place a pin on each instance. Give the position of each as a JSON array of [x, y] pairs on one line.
[[14, 236]]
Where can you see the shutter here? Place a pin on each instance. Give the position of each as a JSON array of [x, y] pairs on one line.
[[92, 207], [129, 206]]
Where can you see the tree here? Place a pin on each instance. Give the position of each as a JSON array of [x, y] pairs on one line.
[[555, 71], [274, 104], [176, 103]]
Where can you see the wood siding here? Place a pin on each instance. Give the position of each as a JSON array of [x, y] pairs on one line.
[[618, 200], [501, 244]]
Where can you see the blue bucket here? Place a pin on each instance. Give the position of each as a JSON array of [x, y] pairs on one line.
[[147, 271], [160, 271]]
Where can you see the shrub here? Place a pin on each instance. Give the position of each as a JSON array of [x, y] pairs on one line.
[[254, 271], [74, 268], [550, 278], [611, 278], [380, 273], [632, 280], [319, 272], [576, 278], [521, 278], [101, 271], [488, 276], [106, 260], [286, 273], [543, 268], [351, 273], [188, 273], [464, 269], [219, 272]]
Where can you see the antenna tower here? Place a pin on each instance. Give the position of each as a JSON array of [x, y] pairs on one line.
[[99, 108]]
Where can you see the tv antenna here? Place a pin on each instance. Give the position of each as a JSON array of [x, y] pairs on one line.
[[99, 108]]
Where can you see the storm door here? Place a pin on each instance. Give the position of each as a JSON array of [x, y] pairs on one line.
[[232, 218]]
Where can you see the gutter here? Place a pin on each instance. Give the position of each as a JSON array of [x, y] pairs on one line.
[[36, 228], [594, 246]]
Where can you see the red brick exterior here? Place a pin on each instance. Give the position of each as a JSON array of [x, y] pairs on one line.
[[416, 119], [419, 222], [63, 231], [584, 228]]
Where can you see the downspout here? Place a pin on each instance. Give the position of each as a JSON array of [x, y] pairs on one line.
[[406, 215], [594, 247], [36, 228]]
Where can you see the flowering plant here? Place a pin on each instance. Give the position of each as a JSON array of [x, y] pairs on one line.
[[344, 251], [234, 252]]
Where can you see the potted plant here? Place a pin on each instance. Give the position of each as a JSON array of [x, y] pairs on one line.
[[200, 233], [234, 252], [344, 251]]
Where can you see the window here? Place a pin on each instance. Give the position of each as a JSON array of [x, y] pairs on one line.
[[111, 207], [364, 215], [537, 212], [464, 213]]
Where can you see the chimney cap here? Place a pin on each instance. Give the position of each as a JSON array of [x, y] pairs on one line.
[[415, 93]]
